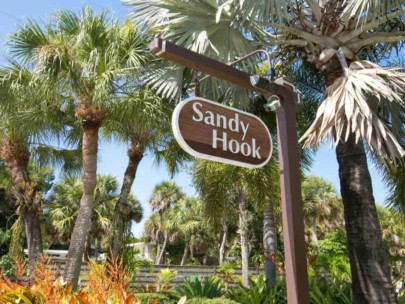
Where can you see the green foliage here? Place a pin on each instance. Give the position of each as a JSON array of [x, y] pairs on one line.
[[165, 278], [334, 243], [257, 293], [337, 266], [227, 272], [6, 265], [197, 287], [130, 260], [323, 292], [210, 301], [5, 236], [149, 298]]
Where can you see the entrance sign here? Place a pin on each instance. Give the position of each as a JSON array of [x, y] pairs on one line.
[[209, 130], [290, 175]]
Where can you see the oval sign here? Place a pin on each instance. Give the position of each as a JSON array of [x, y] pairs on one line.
[[209, 130]]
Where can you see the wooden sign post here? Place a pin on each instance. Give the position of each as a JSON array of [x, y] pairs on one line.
[[291, 200]]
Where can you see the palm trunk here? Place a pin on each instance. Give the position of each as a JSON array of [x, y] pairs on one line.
[[205, 259], [314, 235], [185, 253], [223, 243], [243, 225], [157, 252], [83, 221], [87, 249], [32, 227], [270, 244], [371, 281], [120, 220], [162, 250]]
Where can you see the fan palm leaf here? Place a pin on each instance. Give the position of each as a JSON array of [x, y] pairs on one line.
[[346, 109]]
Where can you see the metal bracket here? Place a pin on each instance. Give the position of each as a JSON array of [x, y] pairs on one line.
[[273, 103]]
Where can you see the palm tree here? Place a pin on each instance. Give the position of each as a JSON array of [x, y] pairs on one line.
[[25, 128], [89, 58], [223, 185], [321, 206], [334, 37], [141, 120], [63, 205], [188, 219], [164, 196]]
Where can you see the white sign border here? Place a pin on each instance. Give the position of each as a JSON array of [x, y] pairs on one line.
[[183, 144]]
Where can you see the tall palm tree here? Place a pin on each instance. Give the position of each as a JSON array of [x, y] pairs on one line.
[[334, 37], [164, 196], [25, 129], [141, 120], [221, 185], [89, 58]]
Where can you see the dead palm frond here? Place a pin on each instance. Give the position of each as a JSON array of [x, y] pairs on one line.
[[346, 109]]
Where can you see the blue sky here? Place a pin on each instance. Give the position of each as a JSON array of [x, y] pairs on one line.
[[113, 158]]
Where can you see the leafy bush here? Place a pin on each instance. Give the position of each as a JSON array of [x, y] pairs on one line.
[[210, 301], [105, 285], [197, 287], [133, 263], [257, 293], [334, 243], [165, 278], [149, 298], [323, 292], [6, 265]]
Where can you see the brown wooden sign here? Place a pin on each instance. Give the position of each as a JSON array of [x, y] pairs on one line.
[[209, 130]]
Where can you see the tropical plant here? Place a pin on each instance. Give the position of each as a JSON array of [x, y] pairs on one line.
[[62, 208], [104, 285], [197, 287], [188, 221], [210, 301], [140, 119], [338, 40], [222, 185], [165, 278], [164, 195], [323, 292], [87, 58], [6, 266], [322, 207], [25, 131], [258, 293], [154, 298]]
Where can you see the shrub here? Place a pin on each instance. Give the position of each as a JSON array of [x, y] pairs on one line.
[[210, 301], [6, 265], [257, 293], [197, 287], [323, 292], [165, 278], [149, 298], [105, 285]]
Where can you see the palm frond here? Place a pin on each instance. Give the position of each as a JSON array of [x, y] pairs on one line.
[[369, 9], [346, 110]]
